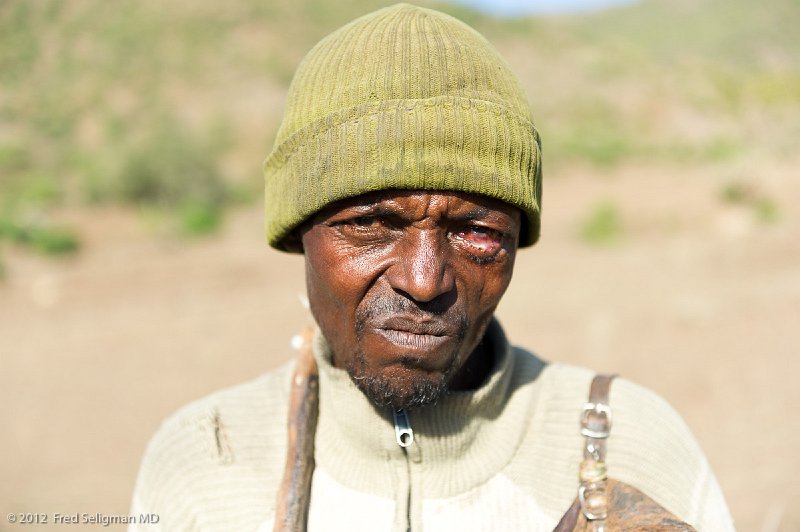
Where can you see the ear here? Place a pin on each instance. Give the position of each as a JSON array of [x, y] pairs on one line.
[[293, 242]]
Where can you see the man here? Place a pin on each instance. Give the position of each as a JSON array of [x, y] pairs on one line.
[[407, 170]]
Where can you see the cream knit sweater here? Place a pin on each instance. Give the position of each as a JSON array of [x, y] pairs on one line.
[[504, 457]]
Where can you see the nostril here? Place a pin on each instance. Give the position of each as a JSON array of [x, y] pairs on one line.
[[436, 306], [427, 285]]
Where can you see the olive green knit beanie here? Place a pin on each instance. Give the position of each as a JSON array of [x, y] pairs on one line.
[[402, 98]]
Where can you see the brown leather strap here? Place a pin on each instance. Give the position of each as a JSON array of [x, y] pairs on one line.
[[601, 384], [291, 510], [569, 519], [626, 507], [596, 422]]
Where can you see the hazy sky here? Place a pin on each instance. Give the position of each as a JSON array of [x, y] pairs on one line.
[[519, 7]]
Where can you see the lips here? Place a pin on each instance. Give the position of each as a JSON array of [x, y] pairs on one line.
[[415, 326], [414, 335], [413, 341]]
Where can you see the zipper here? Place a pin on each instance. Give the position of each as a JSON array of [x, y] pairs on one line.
[[404, 436], [402, 429]]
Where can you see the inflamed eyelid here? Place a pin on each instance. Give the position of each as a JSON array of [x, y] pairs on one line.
[[488, 249], [486, 232], [480, 247], [485, 221]]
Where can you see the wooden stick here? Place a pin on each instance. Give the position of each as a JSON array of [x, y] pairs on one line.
[[293, 498]]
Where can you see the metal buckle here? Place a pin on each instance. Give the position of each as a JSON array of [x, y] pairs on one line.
[[596, 420], [596, 491]]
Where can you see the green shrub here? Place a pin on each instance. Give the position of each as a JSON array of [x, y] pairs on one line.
[[198, 218], [767, 211], [170, 167], [52, 240], [602, 226], [737, 193], [764, 208], [44, 238], [14, 157]]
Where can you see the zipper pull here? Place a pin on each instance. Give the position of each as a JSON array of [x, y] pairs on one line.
[[402, 429]]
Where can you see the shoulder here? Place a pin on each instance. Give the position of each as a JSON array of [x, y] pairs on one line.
[[222, 442], [238, 411], [650, 446], [653, 449], [640, 416]]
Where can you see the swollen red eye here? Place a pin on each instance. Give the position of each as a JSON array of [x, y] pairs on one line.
[[481, 240]]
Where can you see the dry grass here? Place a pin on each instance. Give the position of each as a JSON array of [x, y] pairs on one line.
[[668, 126]]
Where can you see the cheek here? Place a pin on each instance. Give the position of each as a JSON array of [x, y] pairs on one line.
[[486, 284], [327, 288], [484, 287], [502, 279], [336, 281], [336, 276]]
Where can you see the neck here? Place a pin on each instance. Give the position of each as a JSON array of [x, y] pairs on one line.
[[475, 370]]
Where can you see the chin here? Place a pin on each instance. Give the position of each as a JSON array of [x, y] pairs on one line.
[[398, 387]]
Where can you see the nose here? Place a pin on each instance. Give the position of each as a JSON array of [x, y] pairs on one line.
[[422, 271]]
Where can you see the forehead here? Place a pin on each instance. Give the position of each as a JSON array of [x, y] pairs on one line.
[[423, 203]]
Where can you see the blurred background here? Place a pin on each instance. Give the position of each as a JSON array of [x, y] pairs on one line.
[[134, 276]]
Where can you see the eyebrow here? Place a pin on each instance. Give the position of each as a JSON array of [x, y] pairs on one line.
[[476, 213], [378, 208], [375, 208]]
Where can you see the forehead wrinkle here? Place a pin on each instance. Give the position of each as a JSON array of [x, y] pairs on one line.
[[417, 205]]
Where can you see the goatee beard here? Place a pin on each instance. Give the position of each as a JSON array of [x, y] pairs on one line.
[[396, 393], [418, 388]]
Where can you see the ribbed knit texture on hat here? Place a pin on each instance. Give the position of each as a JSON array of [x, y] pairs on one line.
[[402, 98]]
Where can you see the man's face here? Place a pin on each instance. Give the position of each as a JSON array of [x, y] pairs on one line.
[[403, 285]]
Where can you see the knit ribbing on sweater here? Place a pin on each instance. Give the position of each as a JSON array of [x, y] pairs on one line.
[[504, 457]]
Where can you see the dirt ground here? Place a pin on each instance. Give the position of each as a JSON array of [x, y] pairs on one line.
[[697, 300]]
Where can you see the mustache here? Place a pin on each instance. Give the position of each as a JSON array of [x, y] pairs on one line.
[[399, 313]]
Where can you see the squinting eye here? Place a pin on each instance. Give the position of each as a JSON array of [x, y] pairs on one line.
[[363, 227], [365, 221], [483, 241]]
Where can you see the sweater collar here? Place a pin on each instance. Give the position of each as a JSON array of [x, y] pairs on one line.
[[462, 440]]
